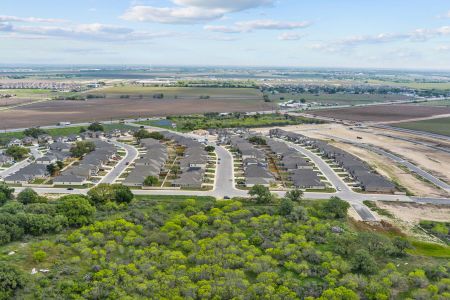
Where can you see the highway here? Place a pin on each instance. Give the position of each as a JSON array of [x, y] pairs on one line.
[[416, 132]]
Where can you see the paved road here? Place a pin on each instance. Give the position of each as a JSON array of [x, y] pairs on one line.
[[130, 156], [224, 184], [416, 132], [35, 153]]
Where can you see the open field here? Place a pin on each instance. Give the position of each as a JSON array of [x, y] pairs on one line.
[[383, 113], [443, 103], [52, 112], [179, 92], [437, 126], [338, 99]]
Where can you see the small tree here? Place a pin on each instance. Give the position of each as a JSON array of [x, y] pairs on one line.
[[17, 152], [210, 148], [39, 256], [363, 262], [261, 194], [151, 181], [52, 169], [7, 191], [285, 207], [294, 195], [34, 132], [10, 281], [336, 208], [28, 196], [77, 209], [82, 148], [96, 126], [122, 194]]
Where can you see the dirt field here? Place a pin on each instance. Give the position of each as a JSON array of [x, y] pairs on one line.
[[383, 113], [413, 212], [52, 112], [6, 102]]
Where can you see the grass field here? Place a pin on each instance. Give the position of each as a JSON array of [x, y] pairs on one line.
[[338, 99], [437, 126]]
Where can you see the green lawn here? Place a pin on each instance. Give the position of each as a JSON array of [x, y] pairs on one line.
[[429, 249], [437, 126]]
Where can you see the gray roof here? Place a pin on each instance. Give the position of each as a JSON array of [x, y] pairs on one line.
[[69, 178], [305, 179]]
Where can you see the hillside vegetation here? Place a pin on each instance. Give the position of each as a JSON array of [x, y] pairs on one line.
[[178, 248]]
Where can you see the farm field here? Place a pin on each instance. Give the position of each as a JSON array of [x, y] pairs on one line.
[[383, 113], [443, 103], [103, 109], [179, 92], [337, 99], [437, 126]]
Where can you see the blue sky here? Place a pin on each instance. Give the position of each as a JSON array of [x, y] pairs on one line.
[[298, 33]]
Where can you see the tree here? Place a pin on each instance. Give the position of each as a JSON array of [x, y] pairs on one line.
[[77, 209], [258, 140], [210, 148], [17, 152], [261, 194], [285, 207], [294, 195], [82, 148], [363, 262], [96, 126], [104, 193], [101, 193], [9, 192], [122, 194], [39, 256], [10, 281], [151, 181], [52, 169], [60, 164], [175, 170], [34, 132], [28, 196], [3, 198], [156, 135], [336, 208]]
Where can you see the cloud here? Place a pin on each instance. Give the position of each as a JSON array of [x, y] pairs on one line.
[[418, 35], [95, 32], [249, 26], [444, 16], [190, 11], [290, 36], [29, 20], [443, 48]]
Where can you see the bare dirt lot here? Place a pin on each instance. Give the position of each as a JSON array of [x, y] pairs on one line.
[[7, 102], [52, 112], [383, 113], [413, 212]]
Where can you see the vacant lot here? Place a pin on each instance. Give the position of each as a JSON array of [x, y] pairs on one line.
[[443, 103], [437, 126], [52, 112], [383, 113]]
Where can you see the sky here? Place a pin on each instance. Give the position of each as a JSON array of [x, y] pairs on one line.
[[404, 34]]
